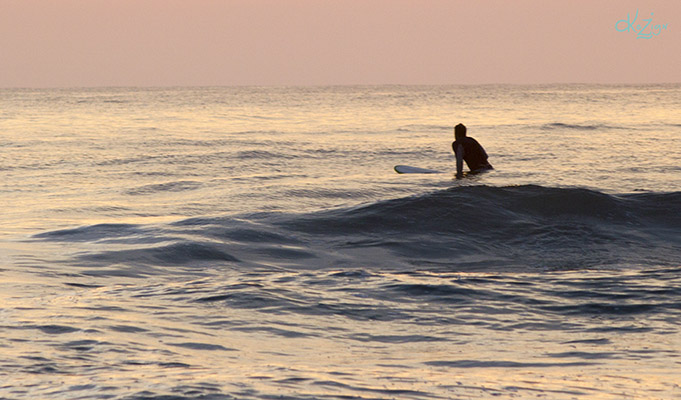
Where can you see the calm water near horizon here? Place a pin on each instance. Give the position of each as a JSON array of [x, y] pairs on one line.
[[255, 243]]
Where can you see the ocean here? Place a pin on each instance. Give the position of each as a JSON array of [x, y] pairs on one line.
[[256, 243]]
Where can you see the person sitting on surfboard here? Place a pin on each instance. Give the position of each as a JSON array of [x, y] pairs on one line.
[[469, 150]]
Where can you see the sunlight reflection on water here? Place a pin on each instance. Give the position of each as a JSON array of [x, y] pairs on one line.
[[255, 242]]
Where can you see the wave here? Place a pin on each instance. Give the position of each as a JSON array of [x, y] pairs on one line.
[[475, 228], [262, 155], [588, 127], [177, 186], [513, 226], [425, 127]]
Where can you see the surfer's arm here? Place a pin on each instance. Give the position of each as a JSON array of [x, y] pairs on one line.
[[459, 160]]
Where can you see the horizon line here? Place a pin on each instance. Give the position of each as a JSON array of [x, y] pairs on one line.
[[75, 87]]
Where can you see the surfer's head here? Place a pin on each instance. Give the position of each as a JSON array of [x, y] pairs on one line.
[[460, 131]]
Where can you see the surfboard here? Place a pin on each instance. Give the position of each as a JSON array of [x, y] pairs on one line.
[[406, 169]]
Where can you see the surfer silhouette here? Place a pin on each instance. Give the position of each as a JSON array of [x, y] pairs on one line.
[[469, 150]]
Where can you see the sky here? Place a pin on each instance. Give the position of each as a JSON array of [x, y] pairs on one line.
[[94, 43]]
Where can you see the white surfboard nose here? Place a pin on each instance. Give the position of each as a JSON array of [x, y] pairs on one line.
[[406, 169]]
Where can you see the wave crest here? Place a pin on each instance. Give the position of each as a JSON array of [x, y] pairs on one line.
[[475, 228]]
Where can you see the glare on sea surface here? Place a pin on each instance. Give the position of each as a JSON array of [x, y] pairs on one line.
[[160, 342], [173, 156]]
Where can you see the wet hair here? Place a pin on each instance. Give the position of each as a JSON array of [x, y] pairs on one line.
[[460, 131]]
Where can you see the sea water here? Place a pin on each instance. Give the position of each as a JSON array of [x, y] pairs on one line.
[[255, 243]]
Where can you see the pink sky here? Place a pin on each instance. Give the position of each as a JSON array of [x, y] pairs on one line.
[[64, 43]]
